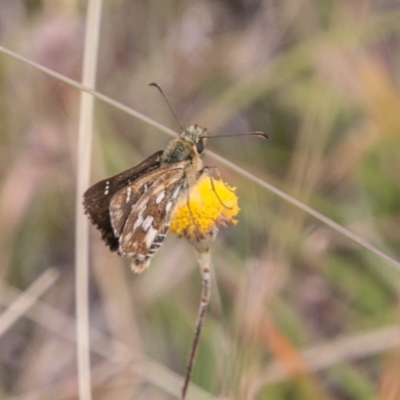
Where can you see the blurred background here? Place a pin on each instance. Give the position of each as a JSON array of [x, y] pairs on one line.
[[298, 311]]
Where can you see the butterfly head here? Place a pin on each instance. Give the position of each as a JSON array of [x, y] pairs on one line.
[[189, 145], [195, 134]]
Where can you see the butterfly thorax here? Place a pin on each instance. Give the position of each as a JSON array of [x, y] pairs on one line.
[[187, 146]]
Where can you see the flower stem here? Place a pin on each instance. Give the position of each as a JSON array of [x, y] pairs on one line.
[[203, 255]]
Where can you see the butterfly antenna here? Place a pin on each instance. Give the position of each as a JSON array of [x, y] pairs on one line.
[[256, 133], [156, 85]]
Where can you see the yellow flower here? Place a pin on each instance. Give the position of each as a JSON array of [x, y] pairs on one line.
[[212, 203]]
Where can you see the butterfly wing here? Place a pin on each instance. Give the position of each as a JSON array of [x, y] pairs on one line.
[[96, 200], [141, 224], [123, 202]]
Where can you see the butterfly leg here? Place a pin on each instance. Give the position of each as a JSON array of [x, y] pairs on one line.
[[196, 225], [213, 186]]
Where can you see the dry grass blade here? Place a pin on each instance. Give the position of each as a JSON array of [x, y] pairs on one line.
[[341, 350], [27, 299], [82, 226]]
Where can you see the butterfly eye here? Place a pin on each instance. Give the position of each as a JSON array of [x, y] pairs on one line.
[[200, 146]]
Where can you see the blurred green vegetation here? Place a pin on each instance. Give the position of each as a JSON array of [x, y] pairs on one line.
[[298, 311]]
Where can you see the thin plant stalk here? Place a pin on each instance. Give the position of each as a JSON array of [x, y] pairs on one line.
[[203, 255], [83, 173]]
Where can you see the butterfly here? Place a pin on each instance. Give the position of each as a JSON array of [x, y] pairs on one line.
[[133, 209]]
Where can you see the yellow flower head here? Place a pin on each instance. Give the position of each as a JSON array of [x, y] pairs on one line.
[[212, 203]]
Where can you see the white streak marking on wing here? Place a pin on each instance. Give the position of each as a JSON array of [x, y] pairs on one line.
[[147, 223], [160, 197], [107, 188], [127, 237], [150, 236], [128, 195], [176, 192], [138, 222], [168, 206]]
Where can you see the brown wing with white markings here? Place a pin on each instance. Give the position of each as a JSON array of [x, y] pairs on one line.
[[140, 212], [96, 200]]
